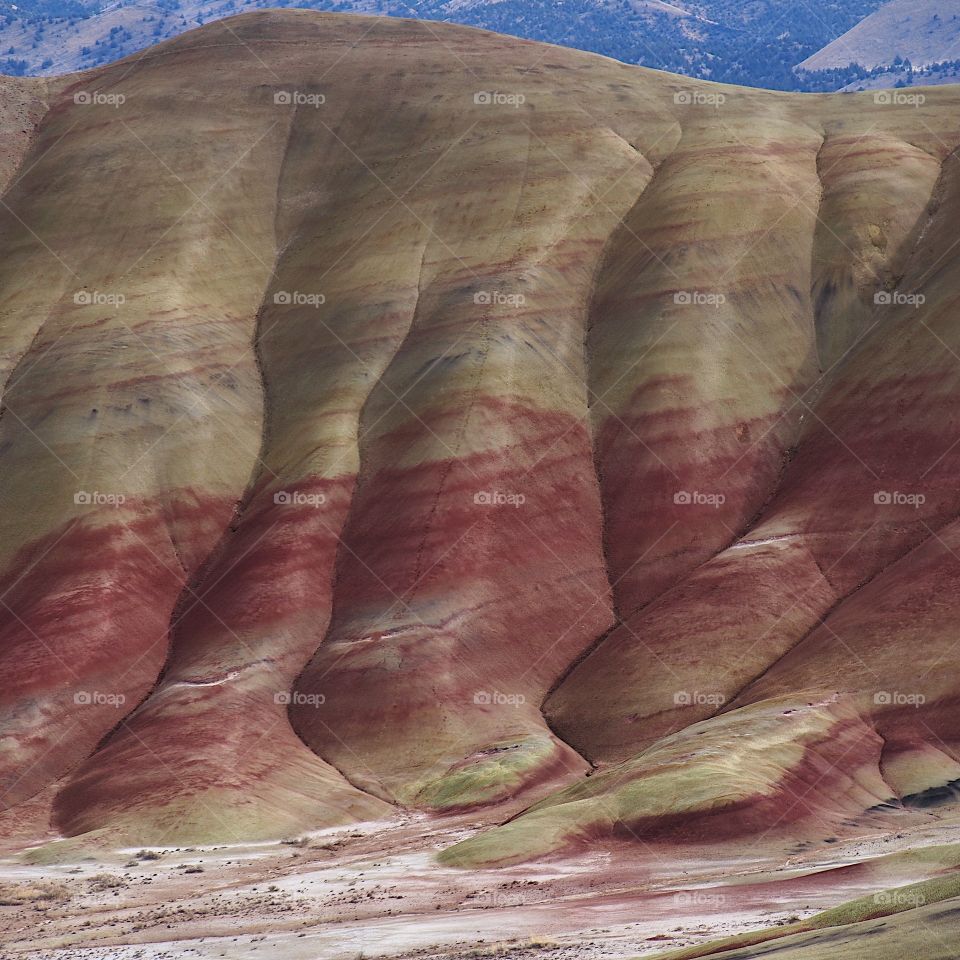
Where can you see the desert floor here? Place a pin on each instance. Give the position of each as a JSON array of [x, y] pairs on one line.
[[374, 891]]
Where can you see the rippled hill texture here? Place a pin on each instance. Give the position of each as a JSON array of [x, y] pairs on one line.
[[401, 416]]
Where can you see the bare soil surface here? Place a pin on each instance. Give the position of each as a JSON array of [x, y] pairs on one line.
[[375, 891]]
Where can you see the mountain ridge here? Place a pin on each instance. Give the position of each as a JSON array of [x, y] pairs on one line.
[[758, 44], [911, 30]]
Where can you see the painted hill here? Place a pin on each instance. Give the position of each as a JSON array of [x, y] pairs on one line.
[[403, 416], [922, 31]]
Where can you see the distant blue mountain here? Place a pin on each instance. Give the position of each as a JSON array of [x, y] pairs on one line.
[[752, 42]]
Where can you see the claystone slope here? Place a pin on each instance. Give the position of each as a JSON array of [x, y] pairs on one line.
[[400, 414]]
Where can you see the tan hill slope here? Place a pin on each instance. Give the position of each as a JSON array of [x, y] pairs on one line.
[[918, 920], [404, 415], [921, 31]]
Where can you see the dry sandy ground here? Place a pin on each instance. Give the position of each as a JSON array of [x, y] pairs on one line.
[[374, 891]]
